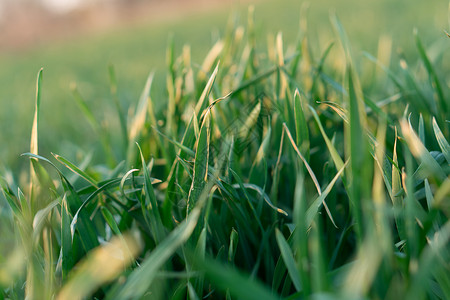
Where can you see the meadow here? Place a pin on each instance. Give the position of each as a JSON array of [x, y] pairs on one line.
[[256, 161]]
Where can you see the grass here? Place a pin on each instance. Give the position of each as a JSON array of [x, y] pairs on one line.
[[266, 172], [138, 49]]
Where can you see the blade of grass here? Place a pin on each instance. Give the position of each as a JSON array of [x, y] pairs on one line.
[[238, 284], [151, 203], [200, 164], [75, 169], [102, 265], [443, 143], [120, 112], [302, 132], [206, 91], [314, 207], [419, 151], [434, 80], [288, 259]]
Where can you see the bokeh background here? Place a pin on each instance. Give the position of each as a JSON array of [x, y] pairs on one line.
[[76, 40]]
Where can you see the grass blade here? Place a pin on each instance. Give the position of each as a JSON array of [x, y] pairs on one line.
[[140, 279], [314, 208], [101, 266], [151, 203], [76, 170], [238, 284], [200, 163], [434, 80], [206, 91], [288, 259], [443, 143], [120, 112], [419, 151], [302, 132]]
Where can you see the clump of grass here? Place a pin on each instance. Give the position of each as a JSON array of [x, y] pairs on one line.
[[265, 173]]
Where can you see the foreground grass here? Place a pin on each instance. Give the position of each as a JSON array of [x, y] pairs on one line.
[[264, 174]]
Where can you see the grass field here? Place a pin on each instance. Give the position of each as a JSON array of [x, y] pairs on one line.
[[137, 50], [254, 164]]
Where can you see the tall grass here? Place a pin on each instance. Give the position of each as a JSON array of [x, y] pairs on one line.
[[265, 173]]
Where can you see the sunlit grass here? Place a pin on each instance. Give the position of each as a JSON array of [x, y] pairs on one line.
[[260, 172]]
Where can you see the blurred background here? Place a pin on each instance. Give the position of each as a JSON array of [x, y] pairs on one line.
[[76, 40]]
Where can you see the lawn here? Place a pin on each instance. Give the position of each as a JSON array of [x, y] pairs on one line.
[[271, 159]]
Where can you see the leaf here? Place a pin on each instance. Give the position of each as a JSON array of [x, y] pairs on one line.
[[443, 144], [66, 254], [238, 284], [301, 127], [288, 259], [140, 279], [206, 90], [179, 145], [109, 218], [34, 130], [263, 194], [75, 169], [338, 162], [119, 109], [85, 109], [234, 240], [310, 171], [314, 207], [151, 203], [40, 218], [107, 185], [250, 121], [200, 164], [434, 80], [101, 266], [138, 121], [419, 151]]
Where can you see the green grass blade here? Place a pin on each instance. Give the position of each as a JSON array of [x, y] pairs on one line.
[[338, 162], [434, 80], [238, 284], [301, 127], [66, 254], [109, 218], [289, 260], [263, 194], [40, 218], [101, 266], [89, 199], [200, 164], [75, 169], [138, 121], [310, 171], [151, 203], [85, 109], [357, 151], [35, 140], [317, 203], [250, 121], [206, 91], [419, 151], [179, 145], [85, 227], [443, 143], [120, 112], [35, 128], [139, 280], [435, 257], [234, 240]]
